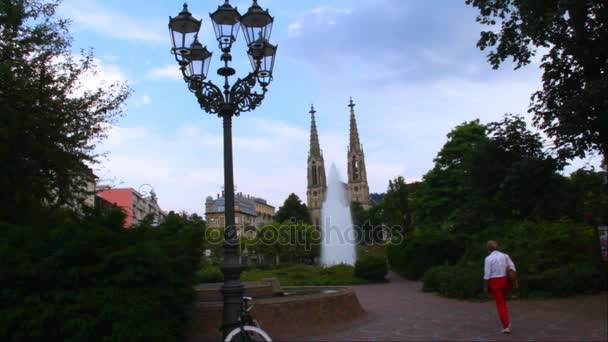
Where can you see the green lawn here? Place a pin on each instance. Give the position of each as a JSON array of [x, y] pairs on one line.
[[304, 275]]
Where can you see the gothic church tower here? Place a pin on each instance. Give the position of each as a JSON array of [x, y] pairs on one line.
[[358, 189], [317, 183]]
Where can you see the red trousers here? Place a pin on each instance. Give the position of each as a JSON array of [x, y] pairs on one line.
[[500, 290]]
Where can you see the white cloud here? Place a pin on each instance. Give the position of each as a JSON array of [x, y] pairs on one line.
[[294, 29], [100, 76], [185, 165], [91, 15], [326, 15], [319, 11], [122, 136], [146, 100], [142, 101], [170, 71]]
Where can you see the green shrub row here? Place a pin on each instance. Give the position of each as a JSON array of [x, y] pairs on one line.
[[563, 281], [209, 274], [457, 281], [553, 258], [306, 275], [464, 281], [423, 249]]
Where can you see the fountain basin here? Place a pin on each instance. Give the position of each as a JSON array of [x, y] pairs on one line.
[[255, 289], [302, 312]]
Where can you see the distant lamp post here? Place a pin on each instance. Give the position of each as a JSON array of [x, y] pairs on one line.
[[226, 101]]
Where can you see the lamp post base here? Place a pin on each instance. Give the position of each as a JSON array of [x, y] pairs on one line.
[[232, 291]]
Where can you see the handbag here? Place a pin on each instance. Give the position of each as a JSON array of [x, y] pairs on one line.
[[511, 275]]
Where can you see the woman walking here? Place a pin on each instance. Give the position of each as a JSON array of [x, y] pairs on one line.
[[496, 269]]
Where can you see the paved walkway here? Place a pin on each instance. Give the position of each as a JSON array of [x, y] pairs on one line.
[[400, 311]]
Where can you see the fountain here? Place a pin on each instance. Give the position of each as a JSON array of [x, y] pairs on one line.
[[339, 237], [298, 311]]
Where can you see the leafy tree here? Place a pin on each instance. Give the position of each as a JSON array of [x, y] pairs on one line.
[[175, 221], [571, 108], [303, 242], [360, 221], [49, 122], [369, 224], [488, 174], [267, 242], [293, 209], [589, 193], [396, 205], [287, 242], [524, 178], [446, 195]]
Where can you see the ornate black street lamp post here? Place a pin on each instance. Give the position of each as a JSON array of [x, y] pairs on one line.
[[230, 100]]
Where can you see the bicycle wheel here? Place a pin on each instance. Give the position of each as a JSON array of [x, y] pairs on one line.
[[248, 333]]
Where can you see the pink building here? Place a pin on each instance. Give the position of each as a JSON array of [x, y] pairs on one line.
[[136, 206]]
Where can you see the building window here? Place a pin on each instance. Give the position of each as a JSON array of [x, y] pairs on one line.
[[355, 166], [315, 175]]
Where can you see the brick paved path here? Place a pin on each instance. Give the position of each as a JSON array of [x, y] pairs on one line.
[[400, 311]]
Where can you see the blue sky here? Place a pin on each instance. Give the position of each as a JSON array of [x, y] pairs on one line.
[[412, 68]]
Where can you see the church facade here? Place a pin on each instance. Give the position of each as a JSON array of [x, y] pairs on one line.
[[358, 188]]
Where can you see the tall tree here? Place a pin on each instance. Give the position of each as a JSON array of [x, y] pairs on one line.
[[525, 182], [492, 173], [293, 210], [589, 192], [396, 205], [49, 122], [572, 107], [446, 195]]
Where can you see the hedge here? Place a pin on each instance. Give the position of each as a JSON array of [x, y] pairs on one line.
[[423, 249], [458, 281], [553, 258], [566, 280], [209, 274], [371, 267], [78, 279]]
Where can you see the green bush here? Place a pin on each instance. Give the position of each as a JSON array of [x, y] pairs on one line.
[[431, 281], [209, 274], [75, 279], [371, 267], [423, 249], [458, 281], [539, 249], [567, 280]]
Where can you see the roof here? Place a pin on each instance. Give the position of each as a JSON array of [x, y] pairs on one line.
[[243, 205]]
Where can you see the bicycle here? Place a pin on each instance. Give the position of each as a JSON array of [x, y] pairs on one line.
[[249, 328]]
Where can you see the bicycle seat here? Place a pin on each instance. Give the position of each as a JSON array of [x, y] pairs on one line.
[[247, 299]]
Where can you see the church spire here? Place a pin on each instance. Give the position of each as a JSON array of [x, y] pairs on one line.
[[315, 148], [358, 189], [355, 145], [317, 184]]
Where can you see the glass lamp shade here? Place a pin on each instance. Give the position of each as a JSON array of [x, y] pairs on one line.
[[263, 60], [226, 24], [257, 25], [199, 60], [183, 29]]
